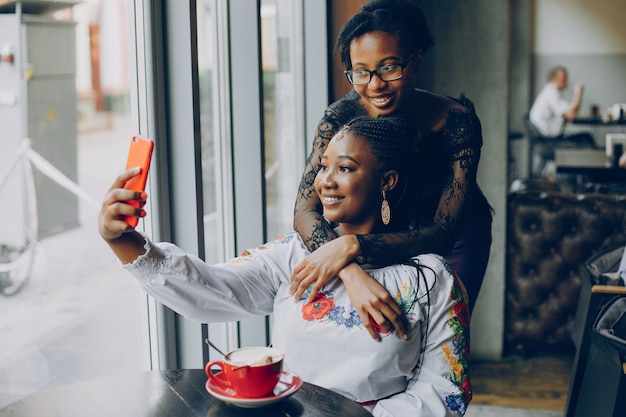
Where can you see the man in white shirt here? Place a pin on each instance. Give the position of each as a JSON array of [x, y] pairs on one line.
[[551, 111]]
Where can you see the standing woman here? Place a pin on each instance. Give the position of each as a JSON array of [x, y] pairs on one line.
[[381, 49]]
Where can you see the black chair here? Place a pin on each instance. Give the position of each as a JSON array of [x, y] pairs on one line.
[[600, 284], [541, 148], [603, 389]]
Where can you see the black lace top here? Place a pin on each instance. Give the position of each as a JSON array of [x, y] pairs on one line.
[[445, 199]]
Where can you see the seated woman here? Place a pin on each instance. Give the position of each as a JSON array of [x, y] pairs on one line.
[[362, 170]]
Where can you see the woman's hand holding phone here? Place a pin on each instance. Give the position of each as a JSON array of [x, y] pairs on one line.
[[123, 204], [139, 155], [115, 208], [126, 243]]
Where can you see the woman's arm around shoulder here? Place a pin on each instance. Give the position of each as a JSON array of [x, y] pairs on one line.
[[322, 265], [454, 122], [308, 219]]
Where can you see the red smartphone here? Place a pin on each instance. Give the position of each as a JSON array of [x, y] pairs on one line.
[[139, 154]]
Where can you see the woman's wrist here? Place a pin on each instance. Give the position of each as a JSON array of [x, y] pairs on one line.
[[348, 272], [353, 245], [128, 247]]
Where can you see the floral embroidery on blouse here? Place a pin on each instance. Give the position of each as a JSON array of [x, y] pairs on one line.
[[324, 309], [280, 239], [457, 354]]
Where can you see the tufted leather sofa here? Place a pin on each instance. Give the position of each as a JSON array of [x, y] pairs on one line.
[[549, 236]]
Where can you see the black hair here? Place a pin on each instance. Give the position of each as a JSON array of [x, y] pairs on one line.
[[402, 18], [390, 139]]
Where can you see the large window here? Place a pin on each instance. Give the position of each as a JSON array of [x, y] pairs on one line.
[[251, 83], [283, 107], [220, 87], [68, 312]]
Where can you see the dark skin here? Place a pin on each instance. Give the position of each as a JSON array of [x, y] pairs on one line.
[[348, 182], [125, 241], [333, 256]]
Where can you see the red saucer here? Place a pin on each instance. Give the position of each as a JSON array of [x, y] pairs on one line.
[[287, 385]]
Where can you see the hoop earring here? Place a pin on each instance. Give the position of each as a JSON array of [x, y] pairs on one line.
[[385, 211]]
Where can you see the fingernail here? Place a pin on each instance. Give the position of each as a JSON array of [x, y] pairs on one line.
[[144, 196], [143, 213]]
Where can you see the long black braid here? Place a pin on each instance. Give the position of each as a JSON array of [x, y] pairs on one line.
[[389, 138]]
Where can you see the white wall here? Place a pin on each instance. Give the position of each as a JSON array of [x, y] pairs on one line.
[[580, 27], [588, 37]]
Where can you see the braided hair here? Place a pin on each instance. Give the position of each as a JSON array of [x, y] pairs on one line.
[[401, 18], [389, 138]]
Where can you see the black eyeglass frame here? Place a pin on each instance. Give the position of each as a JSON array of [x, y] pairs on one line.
[[377, 72]]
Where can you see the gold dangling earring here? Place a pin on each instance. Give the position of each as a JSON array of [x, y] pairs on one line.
[[385, 211]]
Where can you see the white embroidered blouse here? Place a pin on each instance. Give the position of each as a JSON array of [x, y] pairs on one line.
[[324, 341]]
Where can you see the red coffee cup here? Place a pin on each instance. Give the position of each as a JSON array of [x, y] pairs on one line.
[[252, 372]]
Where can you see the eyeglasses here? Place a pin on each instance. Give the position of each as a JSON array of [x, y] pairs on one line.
[[388, 72]]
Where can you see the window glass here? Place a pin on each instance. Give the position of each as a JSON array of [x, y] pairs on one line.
[[68, 312], [209, 93], [283, 108], [209, 125]]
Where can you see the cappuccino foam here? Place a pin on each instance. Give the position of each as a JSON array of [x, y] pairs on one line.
[[250, 357]]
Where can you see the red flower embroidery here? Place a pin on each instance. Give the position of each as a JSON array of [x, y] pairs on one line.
[[466, 386], [318, 308], [462, 313]]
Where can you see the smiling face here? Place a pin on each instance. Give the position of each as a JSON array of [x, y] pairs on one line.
[[349, 184], [373, 50]]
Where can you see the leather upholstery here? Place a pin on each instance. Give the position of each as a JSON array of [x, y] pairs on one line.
[[550, 235]]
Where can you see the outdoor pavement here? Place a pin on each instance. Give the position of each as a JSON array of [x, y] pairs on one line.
[[79, 315]]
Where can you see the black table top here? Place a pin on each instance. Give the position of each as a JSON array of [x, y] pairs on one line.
[[597, 121], [595, 174], [171, 393], [588, 162]]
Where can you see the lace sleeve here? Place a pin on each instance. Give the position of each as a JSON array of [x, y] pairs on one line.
[[308, 220], [462, 140]]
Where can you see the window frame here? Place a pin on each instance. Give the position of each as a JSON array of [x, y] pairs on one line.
[[164, 99]]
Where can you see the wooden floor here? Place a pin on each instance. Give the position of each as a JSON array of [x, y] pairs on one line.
[[540, 382]]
